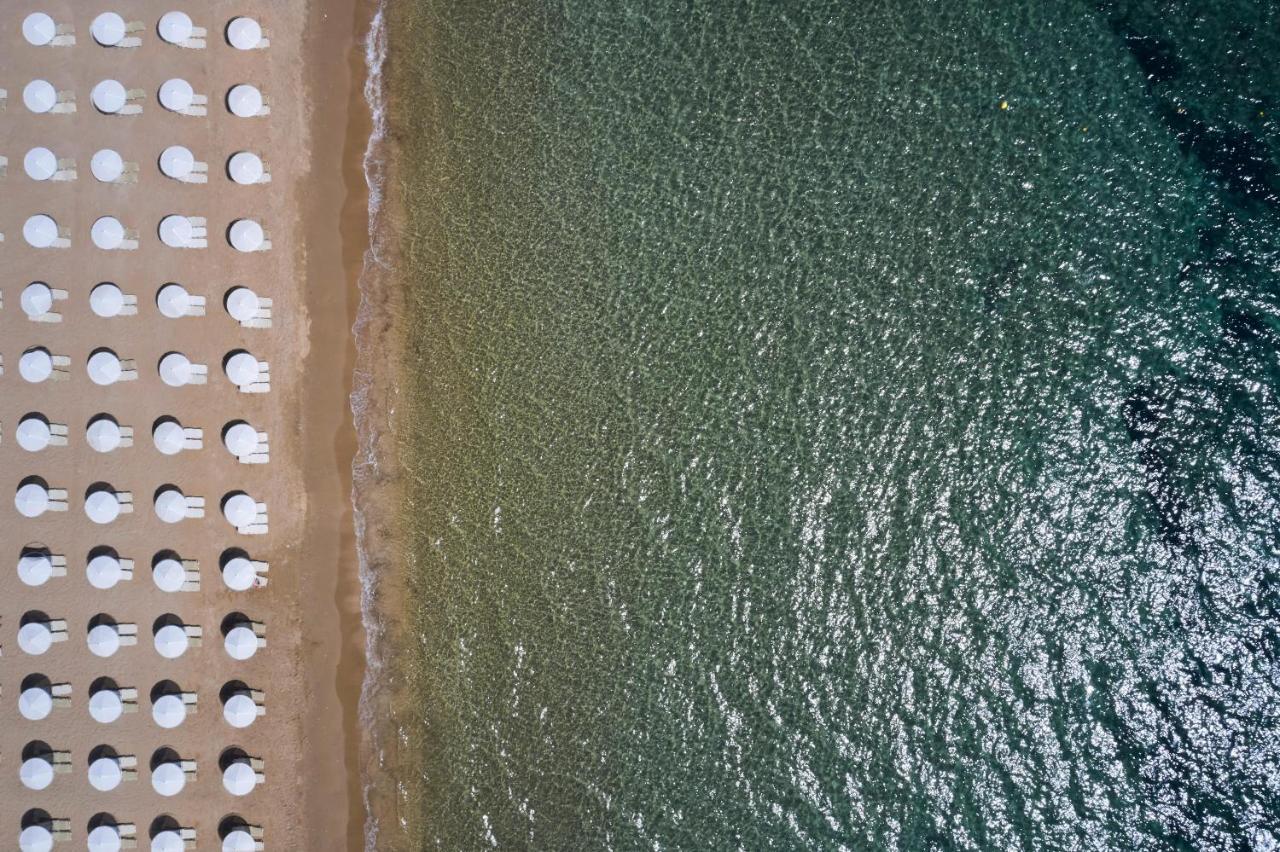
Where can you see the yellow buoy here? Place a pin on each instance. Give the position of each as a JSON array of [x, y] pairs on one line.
[[1004, 105]]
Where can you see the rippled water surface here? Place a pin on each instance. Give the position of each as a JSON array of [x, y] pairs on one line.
[[841, 424]]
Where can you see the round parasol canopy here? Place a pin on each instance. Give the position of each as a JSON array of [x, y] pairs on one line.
[[241, 440], [245, 235], [105, 774], [107, 29], [168, 437], [242, 369], [103, 434], [242, 304], [105, 706], [168, 779], [173, 299], [171, 505], [107, 233], [35, 838], [169, 575], [31, 500], [104, 571], [240, 510], [175, 27], [33, 434], [177, 161], [39, 96], [107, 165], [167, 841], [37, 299], [109, 96], [238, 841], [102, 506], [36, 773], [245, 168], [35, 638], [240, 643], [35, 703], [105, 838], [239, 779], [106, 300], [40, 230], [244, 100], [175, 231], [175, 369], [168, 711], [238, 573], [176, 94], [104, 640], [171, 641], [35, 569], [104, 367], [35, 365], [40, 164], [244, 33], [39, 29], [239, 711]]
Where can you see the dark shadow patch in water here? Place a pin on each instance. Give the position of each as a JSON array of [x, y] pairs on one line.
[[1147, 410], [1155, 56], [1231, 154]]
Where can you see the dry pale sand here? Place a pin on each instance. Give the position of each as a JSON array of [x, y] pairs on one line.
[[311, 667]]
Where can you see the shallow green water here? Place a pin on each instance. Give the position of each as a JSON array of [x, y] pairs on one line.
[[807, 452]]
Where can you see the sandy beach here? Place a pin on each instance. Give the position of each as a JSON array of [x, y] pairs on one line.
[[311, 666]]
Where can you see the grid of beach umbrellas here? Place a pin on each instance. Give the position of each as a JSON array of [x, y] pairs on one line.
[[112, 306]]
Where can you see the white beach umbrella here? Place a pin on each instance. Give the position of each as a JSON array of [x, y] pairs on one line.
[[103, 640], [242, 369], [168, 711], [169, 575], [244, 100], [35, 638], [239, 574], [105, 774], [35, 569], [106, 706], [239, 711], [175, 369], [102, 507], [104, 367], [168, 841], [103, 434], [175, 27], [238, 841], [168, 437], [246, 235], [35, 838], [38, 29], [37, 299], [107, 233], [106, 300], [245, 167], [40, 230], [242, 304], [171, 505], [176, 94], [105, 838], [104, 571], [36, 773], [33, 434], [31, 500], [107, 165], [171, 641], [107, 29], [177, 161], [240, 510], [40, 164], [39, 96], [109, 96], [239, 779], [35, 703], [244, 33], [173, 300], [35, 365], [241, 440], [175, 231], [168, 779], [240, 643]]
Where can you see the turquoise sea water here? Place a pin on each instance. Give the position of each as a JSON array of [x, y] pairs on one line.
[[807, 451]]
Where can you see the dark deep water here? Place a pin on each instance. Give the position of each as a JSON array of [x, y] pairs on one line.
[[808, 452]]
